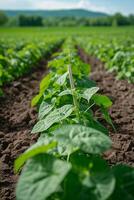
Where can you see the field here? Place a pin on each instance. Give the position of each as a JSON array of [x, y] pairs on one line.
[[67, 113]]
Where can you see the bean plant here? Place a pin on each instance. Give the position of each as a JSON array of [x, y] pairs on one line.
[[67, 161], [15, 62]]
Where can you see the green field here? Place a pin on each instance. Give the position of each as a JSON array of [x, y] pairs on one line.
[[66, 31], [113, 46]]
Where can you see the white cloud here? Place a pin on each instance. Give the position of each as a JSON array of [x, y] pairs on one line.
[[86, 4], [50, 4]]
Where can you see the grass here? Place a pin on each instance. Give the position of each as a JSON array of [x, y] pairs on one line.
[[63, 31]]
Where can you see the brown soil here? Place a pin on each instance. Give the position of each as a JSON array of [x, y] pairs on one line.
[[122, 111], [16, 121]]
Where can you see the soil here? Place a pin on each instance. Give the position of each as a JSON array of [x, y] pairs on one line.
[[16, 121], [122, 111]]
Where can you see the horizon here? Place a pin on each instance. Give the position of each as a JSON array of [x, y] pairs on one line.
[[108, 7], [60, 9]]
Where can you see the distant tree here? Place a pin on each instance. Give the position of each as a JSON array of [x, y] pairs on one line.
[[100, 21], [3, 18], [120, 20], [115, 20], [30, 20], [131, 19]]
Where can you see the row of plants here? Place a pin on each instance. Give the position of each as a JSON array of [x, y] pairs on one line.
[[14, 44], [15, 63], [67, 161], [117, 54]]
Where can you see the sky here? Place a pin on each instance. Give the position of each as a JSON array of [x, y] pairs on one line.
[[109, 6]]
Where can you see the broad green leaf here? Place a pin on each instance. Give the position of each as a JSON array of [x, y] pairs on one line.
[[85, 82], [92, 163], [54, 117], [41, 177], [43, 86], [37, 148], [88, 93], [124, 183], [45, 82], [90, 178], [102, 100], [36, 99], [101, 185], [44, 109], [66, 92], [89, 140], [61, 80]]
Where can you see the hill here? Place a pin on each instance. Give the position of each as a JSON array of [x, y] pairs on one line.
[[56, 13]]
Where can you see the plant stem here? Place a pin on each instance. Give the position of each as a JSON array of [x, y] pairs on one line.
[[73, 90]]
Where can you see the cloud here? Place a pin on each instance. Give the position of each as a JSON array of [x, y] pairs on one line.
[[55, 4], [86, 4], [50, 4]]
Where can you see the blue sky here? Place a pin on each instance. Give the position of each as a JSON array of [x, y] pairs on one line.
[[109, 6]]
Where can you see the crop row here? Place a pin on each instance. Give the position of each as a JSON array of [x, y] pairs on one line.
[[66, 162], [16, 62], [117, 54]]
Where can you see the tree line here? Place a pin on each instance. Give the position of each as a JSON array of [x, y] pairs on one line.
[[24, 21]]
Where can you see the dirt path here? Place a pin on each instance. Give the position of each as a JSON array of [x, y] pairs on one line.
[[16, 120], [122, 111]]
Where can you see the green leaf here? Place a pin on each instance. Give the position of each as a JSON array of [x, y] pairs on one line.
[[41, 177], [97, 125], [90, 178], [65, 92], [39, 147], [44, 109], [92, 163], [107, 116], [85, 82], [36, 99], [101, 185], [54, 117], [61, 80], [43, 86], [102, 100], [88, 93], [45, 82], [124, 183], [1, 92], [89, 140]]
